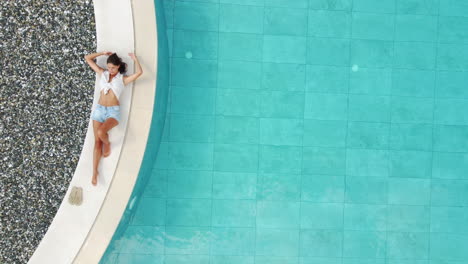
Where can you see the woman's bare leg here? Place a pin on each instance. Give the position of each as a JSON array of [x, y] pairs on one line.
[[96, 158], [104, 136], [97, 153]]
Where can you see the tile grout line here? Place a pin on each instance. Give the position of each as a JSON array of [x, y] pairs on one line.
[[350, 39], [388, 148], [212, 237], [301, 179], [354, 121], [258, 138], [433, 129]]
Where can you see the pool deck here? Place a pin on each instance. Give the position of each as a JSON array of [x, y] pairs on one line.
[[83, 233]]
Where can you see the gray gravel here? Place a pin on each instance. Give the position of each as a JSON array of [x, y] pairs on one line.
[[46, 94]]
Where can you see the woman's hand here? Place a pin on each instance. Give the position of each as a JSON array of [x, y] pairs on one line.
[[138, 73], [90, 60], [132, 55], [108, 53]]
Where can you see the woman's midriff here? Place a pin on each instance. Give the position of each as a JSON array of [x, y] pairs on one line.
[[108, 99]]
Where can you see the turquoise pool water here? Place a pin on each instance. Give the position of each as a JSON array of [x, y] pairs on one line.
[[306, 132]]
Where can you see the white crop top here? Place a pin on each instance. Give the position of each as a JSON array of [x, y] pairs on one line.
[[117, 84]]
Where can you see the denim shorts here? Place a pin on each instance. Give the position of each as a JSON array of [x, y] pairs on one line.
[[102, 113]]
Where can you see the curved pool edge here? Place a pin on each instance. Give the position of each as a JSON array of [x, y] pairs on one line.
[[153, 148], [136, 141]]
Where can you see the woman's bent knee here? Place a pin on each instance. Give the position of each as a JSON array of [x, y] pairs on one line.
[[97, 143], [101, 133]]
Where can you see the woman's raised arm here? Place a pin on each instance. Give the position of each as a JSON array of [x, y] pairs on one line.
[[138, 73], [90, 60]]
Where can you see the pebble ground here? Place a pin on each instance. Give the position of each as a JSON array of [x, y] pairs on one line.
[[46, 92]]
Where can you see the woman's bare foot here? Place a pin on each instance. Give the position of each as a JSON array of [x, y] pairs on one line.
[[106, 149], [94, 180]]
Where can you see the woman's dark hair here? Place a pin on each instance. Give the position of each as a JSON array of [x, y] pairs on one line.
[[114, 59]]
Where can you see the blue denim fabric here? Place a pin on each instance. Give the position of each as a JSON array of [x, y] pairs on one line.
[[102, 113]]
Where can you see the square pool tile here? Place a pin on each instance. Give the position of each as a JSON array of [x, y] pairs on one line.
[[239, 75], [365, 217], [373, 26], [410, 164], [233, 241], [415, 55], [328, 161], [230, 185], [278, 214], [327, 79], [189, 184], [411, 136], [282, 104], [191, 128], [383, 6], [449, 192], [150, 212], [188, 212], [409, 218], [333, 24], [450, 138], [240, 18], [284, 49], [326, 106], [412, 110], [323, 188], [188, 240], [188, 100], [450, 165], [328, 51], [321, 215], [324, 133], [191, 72], [283, 76], [364, 244], [233, 213], [368, 135], [407, 191], [369, 108], [418, 7], [237, 129], [200, 44], [281, 131], [279, 187], [285, 21], [196, 16], [368, 190], [416, 28], [417, 83], [190, 156], [408, 245], [238, 102], [240, 46], [371, 81], [367, 162], [236, 157], [277, 242], [343, 5], [280, 159], [321, 243], [371, 53]]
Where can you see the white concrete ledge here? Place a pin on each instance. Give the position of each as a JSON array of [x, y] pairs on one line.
[[81, 234]]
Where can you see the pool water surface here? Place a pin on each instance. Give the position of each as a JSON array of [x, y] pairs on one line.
[[309, 132]]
